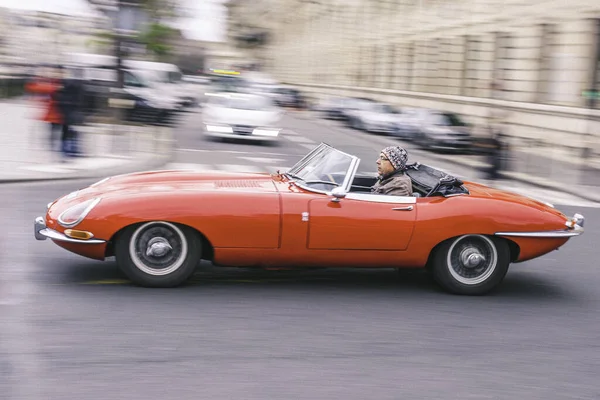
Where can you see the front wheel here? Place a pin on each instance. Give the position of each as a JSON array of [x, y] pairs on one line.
[[471, 264], [158, 253]]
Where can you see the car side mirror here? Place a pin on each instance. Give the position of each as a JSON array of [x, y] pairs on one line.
[[338, 193]]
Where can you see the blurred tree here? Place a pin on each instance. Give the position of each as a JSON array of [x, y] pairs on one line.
[[156, 35], [158, 38]]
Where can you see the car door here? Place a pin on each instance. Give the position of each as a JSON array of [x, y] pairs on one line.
[[361, 221]]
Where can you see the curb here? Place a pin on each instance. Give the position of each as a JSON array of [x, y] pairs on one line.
[[131, 167], [551, 186], [528, 179]]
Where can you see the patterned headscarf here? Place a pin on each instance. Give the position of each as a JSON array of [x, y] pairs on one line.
[[397, 156]]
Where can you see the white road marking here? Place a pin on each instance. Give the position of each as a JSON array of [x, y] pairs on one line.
[[48, 168], [299, 139], [189, 166], [231, 152], [262, 160], [240, 168], [77, 164], [213, 151]]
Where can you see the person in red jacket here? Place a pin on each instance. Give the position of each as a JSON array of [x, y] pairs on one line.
[[47, 88]]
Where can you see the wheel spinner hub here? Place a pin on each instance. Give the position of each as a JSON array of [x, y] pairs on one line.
[[472, 258], [158, 247]]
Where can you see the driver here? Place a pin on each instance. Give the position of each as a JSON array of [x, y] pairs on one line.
[[391, 166]]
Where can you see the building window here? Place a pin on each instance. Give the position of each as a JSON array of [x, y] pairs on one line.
[[473, 58], [500, 63], [593, 101], [547, 45], [391, 67]]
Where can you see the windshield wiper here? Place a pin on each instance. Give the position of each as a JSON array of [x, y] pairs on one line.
[[293, 176], [325, 182], [309, 182]]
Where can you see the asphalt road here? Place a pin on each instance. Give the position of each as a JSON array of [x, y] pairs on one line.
[[73, 328]]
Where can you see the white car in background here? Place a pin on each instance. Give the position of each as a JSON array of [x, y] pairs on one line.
[[168, 78], [241, 116], [373, 117]]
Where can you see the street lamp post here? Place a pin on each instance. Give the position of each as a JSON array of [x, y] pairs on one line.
[[126, 22]]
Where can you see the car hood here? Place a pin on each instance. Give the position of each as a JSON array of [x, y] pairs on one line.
[[380, 117], [482, 191], [230, 116], [160, 182]]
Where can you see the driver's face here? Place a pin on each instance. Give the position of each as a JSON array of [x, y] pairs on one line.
[[384, 166]]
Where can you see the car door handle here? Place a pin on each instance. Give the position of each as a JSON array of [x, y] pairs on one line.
[[409, 208]]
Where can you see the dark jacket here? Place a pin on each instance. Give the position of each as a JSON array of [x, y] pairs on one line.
[[70, 100], [395, 184]]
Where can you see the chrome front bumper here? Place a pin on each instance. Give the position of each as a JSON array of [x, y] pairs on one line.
[[42, 232], [239, 136], [574, 228]]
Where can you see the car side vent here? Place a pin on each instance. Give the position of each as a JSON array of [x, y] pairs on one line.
[[237, 184]]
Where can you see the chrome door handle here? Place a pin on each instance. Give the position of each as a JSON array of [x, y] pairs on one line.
[[409, 208]]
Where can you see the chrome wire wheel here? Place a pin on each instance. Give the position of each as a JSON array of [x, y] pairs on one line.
[[158, 248], [472, 259]]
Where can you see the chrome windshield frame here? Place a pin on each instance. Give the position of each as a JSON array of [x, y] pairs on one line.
[[350, 172]]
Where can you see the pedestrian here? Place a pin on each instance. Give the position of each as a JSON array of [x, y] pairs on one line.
[[70, 103], [45, 87]]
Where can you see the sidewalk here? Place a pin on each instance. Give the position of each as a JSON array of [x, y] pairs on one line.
[[108, 150], [538, 170]]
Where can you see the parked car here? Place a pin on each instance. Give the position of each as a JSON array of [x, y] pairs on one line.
[[439, 130], [142, 101], [320, 213], [373, 117], [289, 97], [337, 108]]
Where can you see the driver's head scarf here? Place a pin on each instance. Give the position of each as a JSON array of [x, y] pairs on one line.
[[397, 156]]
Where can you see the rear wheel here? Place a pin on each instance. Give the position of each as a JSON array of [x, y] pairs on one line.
[[471, 264], [158, 253]]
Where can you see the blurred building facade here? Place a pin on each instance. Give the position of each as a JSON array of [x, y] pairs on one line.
[[35, 37], [249, 29], [532, 58]]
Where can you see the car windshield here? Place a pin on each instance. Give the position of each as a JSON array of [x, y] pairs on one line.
[[447, 119], [323, 169], [175, 77], [255, 103], [381, 108], [361, 104], [228, 84]]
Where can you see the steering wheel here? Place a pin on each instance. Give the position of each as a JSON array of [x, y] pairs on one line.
[[332, 179]]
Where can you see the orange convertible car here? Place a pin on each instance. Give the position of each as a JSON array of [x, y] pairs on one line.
[[320, 213]]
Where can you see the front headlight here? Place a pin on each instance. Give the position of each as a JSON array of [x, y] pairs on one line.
[[100, 182], [219, 128], [75, 214], [266, 132]]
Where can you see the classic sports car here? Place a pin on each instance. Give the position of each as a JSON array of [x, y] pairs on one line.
[[320, 213]]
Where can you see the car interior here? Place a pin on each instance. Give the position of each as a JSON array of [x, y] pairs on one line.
[[426, 182]]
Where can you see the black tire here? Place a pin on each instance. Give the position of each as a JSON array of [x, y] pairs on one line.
[[457, 266], [158, 270]]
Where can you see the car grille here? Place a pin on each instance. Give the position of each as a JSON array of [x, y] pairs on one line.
[[243, 129]]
